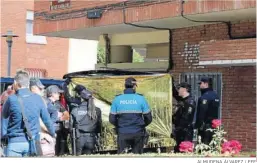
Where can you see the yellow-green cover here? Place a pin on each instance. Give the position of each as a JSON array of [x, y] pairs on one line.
[[156, 88]]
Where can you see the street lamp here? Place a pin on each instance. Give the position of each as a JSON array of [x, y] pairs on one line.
[[9, 35]]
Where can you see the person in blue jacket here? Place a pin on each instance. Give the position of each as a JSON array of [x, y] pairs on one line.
[[207, 109], [34, 107], [130, 114], [53, 95]]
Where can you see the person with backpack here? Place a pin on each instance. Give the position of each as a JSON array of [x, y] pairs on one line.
[[87, 121]]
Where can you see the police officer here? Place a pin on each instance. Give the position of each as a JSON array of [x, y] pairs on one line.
[[87, 120], [207, 109], [71, 101], [184, 114], [130, 114]]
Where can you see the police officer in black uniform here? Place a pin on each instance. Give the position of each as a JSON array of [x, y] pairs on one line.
[[184, 114], [71, 101], [207, 109], [87, 120]]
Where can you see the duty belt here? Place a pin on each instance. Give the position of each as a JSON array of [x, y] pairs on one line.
[[87, 134]]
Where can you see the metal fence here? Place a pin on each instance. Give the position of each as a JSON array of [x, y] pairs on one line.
[[194, 78]]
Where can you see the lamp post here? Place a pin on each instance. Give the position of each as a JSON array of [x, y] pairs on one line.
[[9, 35]]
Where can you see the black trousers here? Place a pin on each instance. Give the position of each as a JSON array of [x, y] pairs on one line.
[[135, 141], [85, 144], [206, 136], [61, 146], [182, 135]]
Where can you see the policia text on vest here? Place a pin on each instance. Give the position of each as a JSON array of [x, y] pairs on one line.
[[130, 114]]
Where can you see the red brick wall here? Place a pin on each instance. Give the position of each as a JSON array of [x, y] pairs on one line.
[[134, 14], [75, 4], [239, 83], [239, 105], [228, 49], [53, 56]]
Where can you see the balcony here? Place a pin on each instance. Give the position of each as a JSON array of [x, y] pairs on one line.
[[72, 22]]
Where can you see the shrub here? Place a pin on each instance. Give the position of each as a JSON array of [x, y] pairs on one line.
[[218, 145]]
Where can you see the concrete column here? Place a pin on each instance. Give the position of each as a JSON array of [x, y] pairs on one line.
[[157, 51], [121, 54]]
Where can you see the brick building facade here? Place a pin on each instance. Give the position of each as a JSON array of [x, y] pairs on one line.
[[45, 54], [235, 59], [239, 82]]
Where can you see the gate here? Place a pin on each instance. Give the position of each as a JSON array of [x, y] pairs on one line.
[[194, 78]]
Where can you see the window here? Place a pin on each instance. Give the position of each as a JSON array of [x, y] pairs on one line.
[[30, 38], [194, 78], [29, 28]]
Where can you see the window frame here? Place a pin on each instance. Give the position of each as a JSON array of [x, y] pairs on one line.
[[30, 37]]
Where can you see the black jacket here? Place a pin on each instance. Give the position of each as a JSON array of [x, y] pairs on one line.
[[185, 110], [207, 108], [82, 121]]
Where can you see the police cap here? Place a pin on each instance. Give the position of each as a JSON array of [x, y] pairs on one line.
[[53, 89], [205, 79], [79, 88], [85, 94], [130, 81]]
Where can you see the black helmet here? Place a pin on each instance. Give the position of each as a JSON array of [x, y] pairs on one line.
[[79, 88]]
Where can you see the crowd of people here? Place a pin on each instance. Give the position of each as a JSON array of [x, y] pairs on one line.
[[37, 121]]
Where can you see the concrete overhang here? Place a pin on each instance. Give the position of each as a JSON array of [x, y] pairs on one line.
[[172, 23], [139, 66]]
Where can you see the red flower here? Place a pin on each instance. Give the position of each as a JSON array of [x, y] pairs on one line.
[[216, 123], [233, 147], [186, 146]]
